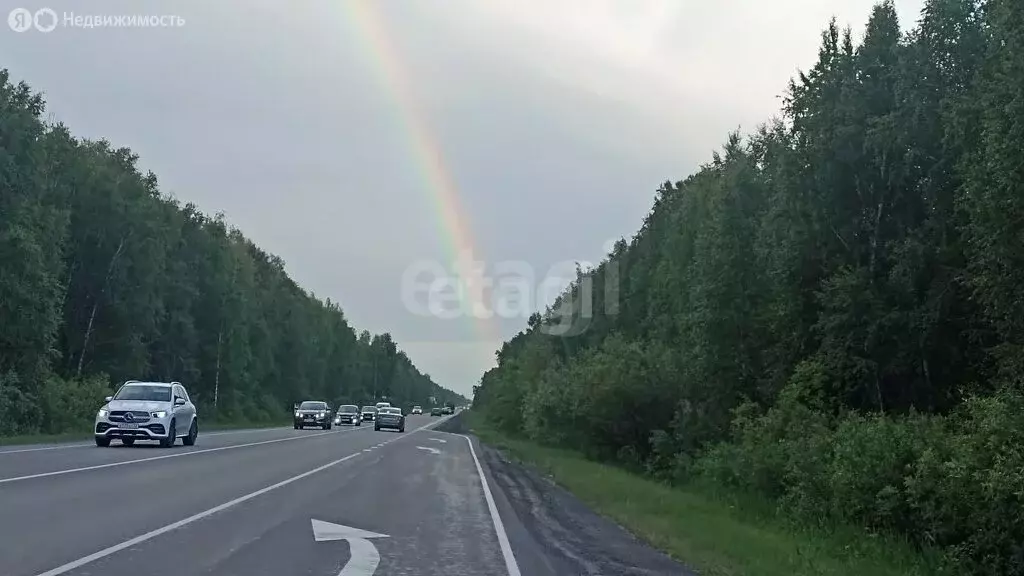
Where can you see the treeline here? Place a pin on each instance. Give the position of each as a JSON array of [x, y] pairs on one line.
[[831, 312], [103, 278]]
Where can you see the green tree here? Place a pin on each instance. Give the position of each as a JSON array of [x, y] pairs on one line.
[[105, 279]]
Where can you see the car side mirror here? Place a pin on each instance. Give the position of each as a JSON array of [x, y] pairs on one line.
[[179, 401], [108, 398]]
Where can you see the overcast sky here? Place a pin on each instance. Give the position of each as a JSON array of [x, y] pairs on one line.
[[363, 140]]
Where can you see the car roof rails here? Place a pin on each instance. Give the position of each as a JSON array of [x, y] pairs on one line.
[[176, 382], [132, 381]]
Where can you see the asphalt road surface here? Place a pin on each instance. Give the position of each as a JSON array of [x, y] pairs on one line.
[[348, 502]]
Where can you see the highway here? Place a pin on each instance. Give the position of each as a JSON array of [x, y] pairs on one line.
[[349, 501]]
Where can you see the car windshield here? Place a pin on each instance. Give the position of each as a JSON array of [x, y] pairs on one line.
[[147, 393], [369, 409], [348, 409], [390, 410], [312, 406]]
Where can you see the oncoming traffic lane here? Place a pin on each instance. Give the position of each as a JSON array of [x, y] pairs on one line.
[[390, 508], [58, 519], [24, 448], [28, 464]]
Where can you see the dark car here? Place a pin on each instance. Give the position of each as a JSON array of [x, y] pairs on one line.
[[312, 413], [390, 417], [348, 414], [369, 413], [435, 411]]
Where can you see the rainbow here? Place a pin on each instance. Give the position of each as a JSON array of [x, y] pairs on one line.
[[372, 34]]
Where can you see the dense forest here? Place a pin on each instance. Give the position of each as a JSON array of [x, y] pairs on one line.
[[830, 313], [103, 278]]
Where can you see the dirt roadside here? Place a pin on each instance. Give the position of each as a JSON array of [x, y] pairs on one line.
[[553, 533]]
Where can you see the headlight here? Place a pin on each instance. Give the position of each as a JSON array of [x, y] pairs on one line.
[[297, 414], [321, 414], [159, 414], [102, 413]]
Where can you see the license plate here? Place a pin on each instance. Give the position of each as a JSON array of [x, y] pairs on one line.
[[128, 426]]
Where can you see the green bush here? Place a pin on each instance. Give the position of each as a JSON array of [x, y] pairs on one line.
[[782, 453], [71, 405], [954, 482], [965, 490], [15, 406]]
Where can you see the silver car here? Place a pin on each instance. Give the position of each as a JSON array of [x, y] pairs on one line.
[[159, 411], [369, 413]]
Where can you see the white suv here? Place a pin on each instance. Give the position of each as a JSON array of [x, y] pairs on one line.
[[147, 411]]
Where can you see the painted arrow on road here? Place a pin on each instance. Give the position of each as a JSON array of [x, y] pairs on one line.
[[439, 440], [365, 557], [431, 450]]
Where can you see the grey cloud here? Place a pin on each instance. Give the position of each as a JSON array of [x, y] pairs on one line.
[[556, 123]]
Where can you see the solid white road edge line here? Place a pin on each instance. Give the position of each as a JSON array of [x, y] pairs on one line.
[[204, 435], [506, 548], [63, 447], [166, 456], [205, 513]]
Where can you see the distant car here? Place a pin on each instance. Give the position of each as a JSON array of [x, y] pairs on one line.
[[383, 405], [417, 410], [447, 410], [348, 414], [369, 413], [435, 411], [312, 413], [147, 411], [390, 417]]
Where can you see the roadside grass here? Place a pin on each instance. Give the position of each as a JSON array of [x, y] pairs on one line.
[[43, 438], [86, 434], [714, 533]]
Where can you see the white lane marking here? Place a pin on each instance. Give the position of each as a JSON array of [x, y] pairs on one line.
[[184, 522], [205, 513], [448, 433], [506, 548], [63, 447], [363, 555], [204, 434], [439, 440], [433, 451], [246, 431], [164, 457]]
